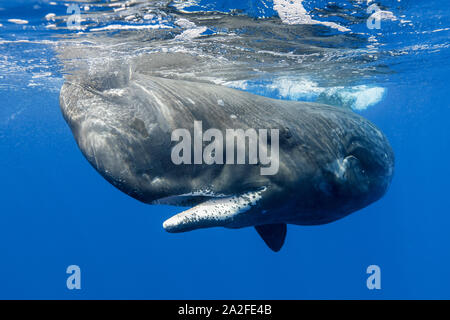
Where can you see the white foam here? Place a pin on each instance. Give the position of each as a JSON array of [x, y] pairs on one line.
[[296, 89], [185, 23], [131, 27], [355, 97], [293, 12], [181, 4], [384, 15], [41, 75], [18, 21], [191, 33], [50, 16]]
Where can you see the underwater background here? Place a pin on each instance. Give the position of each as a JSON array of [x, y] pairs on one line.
[[57, 211]]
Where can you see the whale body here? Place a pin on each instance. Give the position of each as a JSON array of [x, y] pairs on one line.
[[331, 161]]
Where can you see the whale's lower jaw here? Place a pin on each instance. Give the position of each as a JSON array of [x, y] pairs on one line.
[[219, 211], [222, 211], [244, 210]]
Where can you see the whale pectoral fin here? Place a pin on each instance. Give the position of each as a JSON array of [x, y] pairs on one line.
[[273, 235], [212, 213]]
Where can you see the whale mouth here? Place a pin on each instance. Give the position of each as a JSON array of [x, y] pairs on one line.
[[216, 211], [189, 199]]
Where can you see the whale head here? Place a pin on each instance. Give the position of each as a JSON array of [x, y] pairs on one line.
[[363, 174]]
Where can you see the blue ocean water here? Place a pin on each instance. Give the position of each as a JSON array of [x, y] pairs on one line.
[[57, 211]]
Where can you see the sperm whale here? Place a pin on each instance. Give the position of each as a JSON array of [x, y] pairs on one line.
[[329, 162]]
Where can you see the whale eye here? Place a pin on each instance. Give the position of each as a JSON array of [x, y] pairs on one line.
[[356, 178], [367, 161]]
